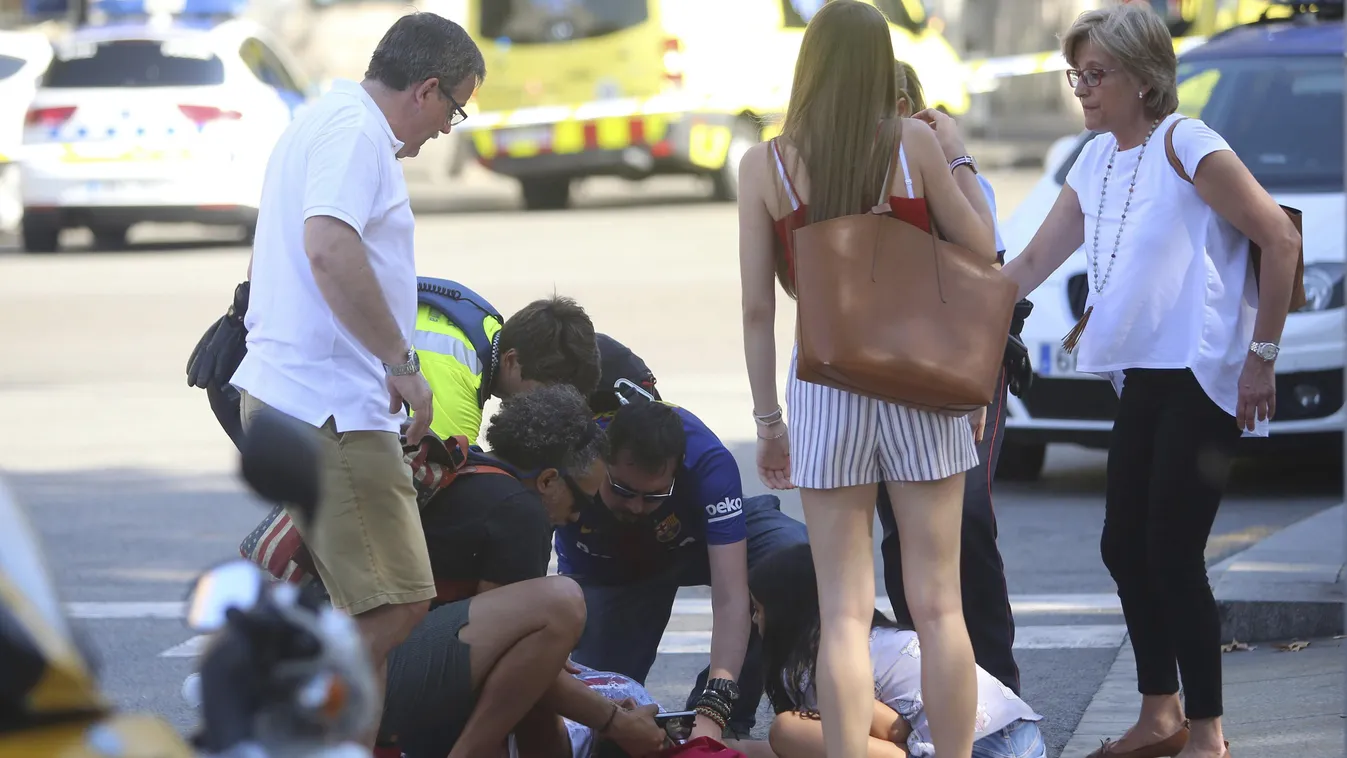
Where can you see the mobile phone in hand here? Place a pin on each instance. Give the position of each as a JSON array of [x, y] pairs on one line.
[[677, 724]]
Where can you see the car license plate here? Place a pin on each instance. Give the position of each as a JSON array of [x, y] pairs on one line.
[[537, 135], [1054, 361]]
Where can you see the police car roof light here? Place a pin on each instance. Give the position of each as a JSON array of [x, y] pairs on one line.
[[121, 9]]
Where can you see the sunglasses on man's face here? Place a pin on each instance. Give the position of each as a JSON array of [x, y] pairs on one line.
[[627, 493], [581, 497]]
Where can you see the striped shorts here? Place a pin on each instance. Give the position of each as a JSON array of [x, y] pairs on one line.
[[842, 439]]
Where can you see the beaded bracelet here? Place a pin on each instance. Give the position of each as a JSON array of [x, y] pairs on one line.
[[714, 701], [711, 714]]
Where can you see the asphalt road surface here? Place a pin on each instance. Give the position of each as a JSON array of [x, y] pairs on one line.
[[132, 486]]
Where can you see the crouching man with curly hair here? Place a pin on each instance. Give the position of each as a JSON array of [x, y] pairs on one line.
[[490, 657]]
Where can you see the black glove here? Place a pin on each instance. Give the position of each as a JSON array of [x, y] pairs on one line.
[[220, 350], [1019, 368]]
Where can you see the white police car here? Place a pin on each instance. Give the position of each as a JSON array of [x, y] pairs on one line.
[[1274, 91], [158, 118], [23, 58]]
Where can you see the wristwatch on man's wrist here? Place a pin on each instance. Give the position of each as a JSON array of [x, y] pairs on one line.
[[411, 365], [1267, 351]]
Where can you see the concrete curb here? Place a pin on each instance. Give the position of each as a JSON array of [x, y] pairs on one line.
[[1287, 586], [1113, 709]]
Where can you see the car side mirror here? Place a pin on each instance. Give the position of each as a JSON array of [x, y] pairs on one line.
[[235, 584]]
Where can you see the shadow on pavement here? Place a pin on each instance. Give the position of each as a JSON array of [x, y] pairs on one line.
[[1315, 474]]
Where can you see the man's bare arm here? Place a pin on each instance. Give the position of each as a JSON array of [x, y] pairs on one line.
[[340, 265]]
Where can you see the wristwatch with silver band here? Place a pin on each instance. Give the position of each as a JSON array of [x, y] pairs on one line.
[[1265, 350], [410, 366]]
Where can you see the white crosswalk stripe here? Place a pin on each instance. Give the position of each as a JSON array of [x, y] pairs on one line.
[[690, 626]]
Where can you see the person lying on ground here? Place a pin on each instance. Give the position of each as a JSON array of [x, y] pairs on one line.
[[786, 613]]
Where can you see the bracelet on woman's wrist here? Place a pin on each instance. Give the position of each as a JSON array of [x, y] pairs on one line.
[[611, 718], [767, 419]]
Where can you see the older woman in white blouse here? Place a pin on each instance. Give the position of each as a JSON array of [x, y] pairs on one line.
[[1177, 321]]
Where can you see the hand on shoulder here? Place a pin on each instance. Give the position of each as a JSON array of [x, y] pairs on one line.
[[946, 131]]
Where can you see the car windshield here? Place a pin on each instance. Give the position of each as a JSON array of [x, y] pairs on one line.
[[134, 63], [550, 21], [9, 66], [1281, 115]]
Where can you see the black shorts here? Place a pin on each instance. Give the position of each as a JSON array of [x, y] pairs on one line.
[[429, 693]]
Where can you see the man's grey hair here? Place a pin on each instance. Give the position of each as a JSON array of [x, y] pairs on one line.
[[1141, 42], [546, 427], [420, 46]]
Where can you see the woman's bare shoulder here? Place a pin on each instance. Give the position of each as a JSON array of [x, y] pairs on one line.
[[918, 137], [753, 167]]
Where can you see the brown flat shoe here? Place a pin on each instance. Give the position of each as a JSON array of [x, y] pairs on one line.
[[1166, 748]]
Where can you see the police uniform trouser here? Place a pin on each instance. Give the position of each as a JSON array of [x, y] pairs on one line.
[[986, 600]]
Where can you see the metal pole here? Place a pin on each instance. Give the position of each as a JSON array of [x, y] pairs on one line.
[[1344, 532]]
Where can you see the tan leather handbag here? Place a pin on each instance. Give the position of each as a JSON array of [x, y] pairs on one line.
[[889, 311]]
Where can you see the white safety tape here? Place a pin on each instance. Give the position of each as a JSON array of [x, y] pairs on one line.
[[980, 77], [985, 75]]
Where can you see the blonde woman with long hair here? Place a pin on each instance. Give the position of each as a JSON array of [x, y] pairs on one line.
[[833, 159]]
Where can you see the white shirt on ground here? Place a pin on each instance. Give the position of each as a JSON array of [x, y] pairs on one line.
[[895, 656], [338, 159], [1182, 293]]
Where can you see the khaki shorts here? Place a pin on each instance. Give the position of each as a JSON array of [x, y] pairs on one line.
[[367, 542]]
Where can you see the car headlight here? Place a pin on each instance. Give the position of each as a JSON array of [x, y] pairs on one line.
[[1323, 287]]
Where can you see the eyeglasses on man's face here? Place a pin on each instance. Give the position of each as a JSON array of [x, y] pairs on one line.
[[456, 113]]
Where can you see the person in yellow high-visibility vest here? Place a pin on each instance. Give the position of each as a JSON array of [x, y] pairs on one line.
[[548, 341]]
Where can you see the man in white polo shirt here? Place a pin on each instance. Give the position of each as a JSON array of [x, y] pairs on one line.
[[333, 307]]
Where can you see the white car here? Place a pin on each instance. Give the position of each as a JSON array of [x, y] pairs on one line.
[[23, 58], [1274, 91], [163, 120]]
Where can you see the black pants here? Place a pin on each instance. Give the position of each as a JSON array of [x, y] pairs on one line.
[[1168, 462], [986, 600]]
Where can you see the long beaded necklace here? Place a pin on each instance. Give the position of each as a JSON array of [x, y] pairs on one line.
[[1072, 337]]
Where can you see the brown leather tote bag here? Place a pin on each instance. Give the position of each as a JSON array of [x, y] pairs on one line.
[[888, 311], [1298, 298]]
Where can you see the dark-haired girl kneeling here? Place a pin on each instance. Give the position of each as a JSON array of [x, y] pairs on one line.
[[786, 612]]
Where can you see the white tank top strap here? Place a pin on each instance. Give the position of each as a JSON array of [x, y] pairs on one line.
[[907, 175], [785, 177]]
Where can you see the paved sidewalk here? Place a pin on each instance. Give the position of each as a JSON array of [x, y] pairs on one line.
[[1279, 701]]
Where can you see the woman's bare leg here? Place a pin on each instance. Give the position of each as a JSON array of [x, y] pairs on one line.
[[929, 516], [795, 736], [841, 529], [520, 636]]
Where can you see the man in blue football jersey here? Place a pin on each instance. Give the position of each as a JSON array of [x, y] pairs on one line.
[[671, 513]]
